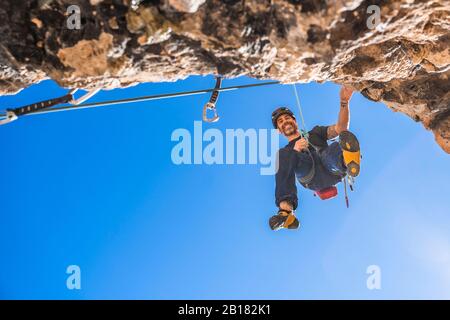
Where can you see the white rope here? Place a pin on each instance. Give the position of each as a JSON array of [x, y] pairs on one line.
[[299, 107]]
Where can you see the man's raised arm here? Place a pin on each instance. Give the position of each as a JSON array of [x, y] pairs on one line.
[[344, 114]]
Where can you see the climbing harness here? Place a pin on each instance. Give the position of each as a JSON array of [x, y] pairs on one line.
[[48, 108], [211, 104]]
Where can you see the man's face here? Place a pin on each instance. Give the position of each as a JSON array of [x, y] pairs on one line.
[[287, 125]]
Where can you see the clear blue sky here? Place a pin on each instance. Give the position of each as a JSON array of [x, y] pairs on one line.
[[97, 188]]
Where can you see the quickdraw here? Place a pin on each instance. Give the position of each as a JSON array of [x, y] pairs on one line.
[[14, 114], [211, 104], [351, 182]]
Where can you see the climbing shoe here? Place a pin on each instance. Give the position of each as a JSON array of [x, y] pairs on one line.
[[351, 152], [284, 219]]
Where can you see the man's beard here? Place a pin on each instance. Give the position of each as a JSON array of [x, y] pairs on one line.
[[289, 129]]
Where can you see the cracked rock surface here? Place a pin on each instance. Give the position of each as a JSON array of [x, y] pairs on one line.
[[401, 59]]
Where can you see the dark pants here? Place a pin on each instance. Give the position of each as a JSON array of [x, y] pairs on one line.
[[293, 165]]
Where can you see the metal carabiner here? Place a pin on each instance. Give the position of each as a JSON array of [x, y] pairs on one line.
[[210, 106], [83, 98], [9, 117]]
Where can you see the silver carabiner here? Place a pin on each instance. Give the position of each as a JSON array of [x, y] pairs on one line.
[[83, 98], [9, 117], [210, 106]]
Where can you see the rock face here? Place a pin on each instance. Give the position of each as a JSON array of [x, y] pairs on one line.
[[396, 52]]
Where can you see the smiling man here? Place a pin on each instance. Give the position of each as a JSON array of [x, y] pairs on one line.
[[309, 158]]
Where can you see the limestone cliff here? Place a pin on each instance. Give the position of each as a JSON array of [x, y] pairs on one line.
[[400, 57]]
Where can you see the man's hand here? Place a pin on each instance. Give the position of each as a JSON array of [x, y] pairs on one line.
[[301, 144], [344, 114], [346, 93]]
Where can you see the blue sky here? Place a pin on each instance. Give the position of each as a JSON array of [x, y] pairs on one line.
[[97, 188]]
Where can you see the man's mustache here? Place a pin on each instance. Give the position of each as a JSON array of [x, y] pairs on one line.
[[288, 124]]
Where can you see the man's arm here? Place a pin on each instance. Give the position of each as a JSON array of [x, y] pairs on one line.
[[344, 114]]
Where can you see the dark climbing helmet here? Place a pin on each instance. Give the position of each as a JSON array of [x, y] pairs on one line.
[[278, 112]]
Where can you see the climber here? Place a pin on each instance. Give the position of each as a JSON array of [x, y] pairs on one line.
[[309, 159]]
